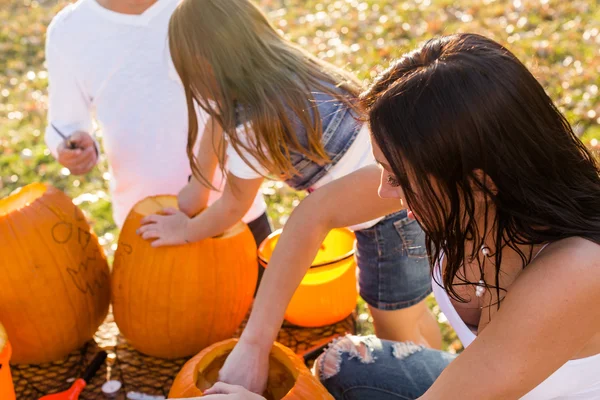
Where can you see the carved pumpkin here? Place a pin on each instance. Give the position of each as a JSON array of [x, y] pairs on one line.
[[174, 301], [328, 292], [55, 279], [7, 390], [288, 376]]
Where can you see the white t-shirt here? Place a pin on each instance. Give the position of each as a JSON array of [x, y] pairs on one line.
[[359, 155], [117, 65]]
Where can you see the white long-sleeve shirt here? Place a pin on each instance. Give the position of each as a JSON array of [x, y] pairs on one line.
[[117, 66]]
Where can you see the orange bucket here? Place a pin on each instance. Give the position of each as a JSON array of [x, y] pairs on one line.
[[7, 390], [328, 292]]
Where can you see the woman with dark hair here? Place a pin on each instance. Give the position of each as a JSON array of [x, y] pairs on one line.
[[509, 200]]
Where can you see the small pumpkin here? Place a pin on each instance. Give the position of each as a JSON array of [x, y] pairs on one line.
[[7, 390], [327, 293], [172, 302], [55, 278], [288, 379]]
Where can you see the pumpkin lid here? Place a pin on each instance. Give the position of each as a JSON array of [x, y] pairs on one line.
[[21, 198]]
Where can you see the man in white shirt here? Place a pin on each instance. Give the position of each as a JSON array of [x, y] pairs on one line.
[[111, 57]]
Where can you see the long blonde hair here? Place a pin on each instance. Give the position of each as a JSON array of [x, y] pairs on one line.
[[227, 53]]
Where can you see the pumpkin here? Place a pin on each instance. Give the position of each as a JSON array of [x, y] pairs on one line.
[[328, 291], [55, 278], [7, 390], [172, 302], [288, 378]]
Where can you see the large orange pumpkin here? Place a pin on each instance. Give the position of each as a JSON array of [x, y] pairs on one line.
[[174, 301], [288, 376], [327, 294], [55, 279], [7, 390]]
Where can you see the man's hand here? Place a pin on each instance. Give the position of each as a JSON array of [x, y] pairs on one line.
[[82, 158]]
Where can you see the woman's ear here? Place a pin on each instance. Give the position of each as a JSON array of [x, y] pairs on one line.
[[480, 181]]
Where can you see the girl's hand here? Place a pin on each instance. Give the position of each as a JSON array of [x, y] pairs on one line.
[[223, 391], [168, 229], [248, 366]]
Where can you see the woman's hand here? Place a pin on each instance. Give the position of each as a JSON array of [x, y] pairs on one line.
[[247, 366], [224, 391], [168, 229]]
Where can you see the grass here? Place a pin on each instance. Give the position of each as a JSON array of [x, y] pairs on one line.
[[559, 40]]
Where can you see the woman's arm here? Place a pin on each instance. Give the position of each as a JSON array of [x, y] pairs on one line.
[[347, 201], [550, 313]]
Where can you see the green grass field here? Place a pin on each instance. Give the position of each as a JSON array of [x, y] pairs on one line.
[[558, 40]]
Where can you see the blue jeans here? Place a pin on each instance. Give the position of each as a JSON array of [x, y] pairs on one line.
[[356, 367], [393, 268]]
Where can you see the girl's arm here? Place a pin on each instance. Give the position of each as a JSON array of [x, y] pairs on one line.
[[237, 198], [550, 313], [347, 201], [176, 228], [193, 198]]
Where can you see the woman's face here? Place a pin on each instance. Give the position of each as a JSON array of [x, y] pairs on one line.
[[389, 188], [434, 203]]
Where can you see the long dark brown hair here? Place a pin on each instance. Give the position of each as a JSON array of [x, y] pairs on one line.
[[462, 115], [229, 56]]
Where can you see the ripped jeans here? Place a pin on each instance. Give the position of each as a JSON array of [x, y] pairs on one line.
[[356, 367]]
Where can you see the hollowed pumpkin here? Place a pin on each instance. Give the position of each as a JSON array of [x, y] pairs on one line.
[[328, 292], [55, 279], [288, 376], [174, 301]]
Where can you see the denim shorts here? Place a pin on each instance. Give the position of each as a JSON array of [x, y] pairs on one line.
[[393, 267]]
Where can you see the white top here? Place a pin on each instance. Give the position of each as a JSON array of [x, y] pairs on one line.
[[575, 380], [359, 155], [116, 65]]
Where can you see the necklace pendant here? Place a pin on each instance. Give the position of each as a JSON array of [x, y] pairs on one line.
[[480, 289]]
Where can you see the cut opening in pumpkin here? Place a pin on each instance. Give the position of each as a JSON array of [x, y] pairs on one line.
[[21, 198], [281, 380], [155, 204], [331, 259]]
